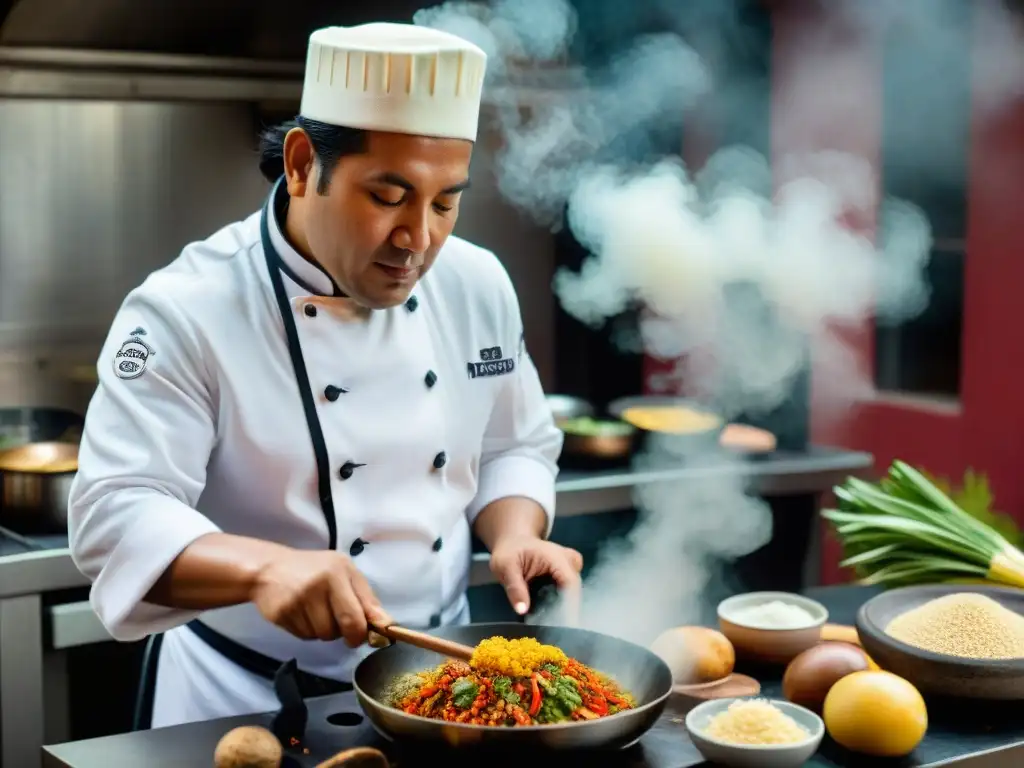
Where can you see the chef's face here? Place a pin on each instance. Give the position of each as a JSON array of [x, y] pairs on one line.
[[385, 212]]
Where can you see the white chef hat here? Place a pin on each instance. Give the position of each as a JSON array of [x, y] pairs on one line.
[[400, 78]]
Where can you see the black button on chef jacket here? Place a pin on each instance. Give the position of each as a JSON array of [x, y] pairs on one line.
[[348, 469]]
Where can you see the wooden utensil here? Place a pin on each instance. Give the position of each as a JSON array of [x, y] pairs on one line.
[[729, 687], [383, 636], [360, 757]]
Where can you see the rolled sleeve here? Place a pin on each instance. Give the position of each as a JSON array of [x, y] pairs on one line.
[[507, 476], [124, 573], [142, 467]]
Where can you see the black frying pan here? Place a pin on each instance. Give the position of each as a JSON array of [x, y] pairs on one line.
[[637, 669]]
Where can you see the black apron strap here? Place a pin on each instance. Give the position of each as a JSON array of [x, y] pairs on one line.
[[264, 666], [291, 684], [142, 718]]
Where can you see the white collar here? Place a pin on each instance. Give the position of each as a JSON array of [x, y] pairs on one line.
[[304, 276]]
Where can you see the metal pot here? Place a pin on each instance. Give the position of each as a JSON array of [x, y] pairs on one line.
[[598, 451], [568, 407], [611, 447], [35, 483], [23, 425], [33, 494]]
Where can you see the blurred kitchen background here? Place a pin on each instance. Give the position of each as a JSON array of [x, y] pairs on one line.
[[129, 128]]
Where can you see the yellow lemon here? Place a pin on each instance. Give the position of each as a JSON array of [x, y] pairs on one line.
[[875, 713]]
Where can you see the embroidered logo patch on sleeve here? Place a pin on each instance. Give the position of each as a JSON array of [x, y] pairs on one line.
[[131, 359]]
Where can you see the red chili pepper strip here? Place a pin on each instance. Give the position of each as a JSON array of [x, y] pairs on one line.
[[535, 697], [598, 706]]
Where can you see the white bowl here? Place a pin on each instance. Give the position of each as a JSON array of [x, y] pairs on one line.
[[754, 755], [763, 643]]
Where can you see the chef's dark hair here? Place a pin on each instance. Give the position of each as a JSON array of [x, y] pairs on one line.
[[330, 144]]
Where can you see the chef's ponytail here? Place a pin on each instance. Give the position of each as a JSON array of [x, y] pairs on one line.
[[272, 150], [330, 143]]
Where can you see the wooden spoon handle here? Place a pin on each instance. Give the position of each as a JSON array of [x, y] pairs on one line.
[[360, 756], [394, 633], [732, 686]]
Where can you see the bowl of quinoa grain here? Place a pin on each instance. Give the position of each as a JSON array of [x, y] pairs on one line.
[[949, 640]]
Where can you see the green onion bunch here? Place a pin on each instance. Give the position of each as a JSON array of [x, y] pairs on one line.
[[904, 530]]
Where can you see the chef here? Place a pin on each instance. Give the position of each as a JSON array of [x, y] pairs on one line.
[[302, 419]]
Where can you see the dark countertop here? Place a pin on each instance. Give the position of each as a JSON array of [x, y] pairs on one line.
[[987, 738]]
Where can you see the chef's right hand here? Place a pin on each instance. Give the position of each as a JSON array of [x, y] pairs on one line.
[[317, 596]]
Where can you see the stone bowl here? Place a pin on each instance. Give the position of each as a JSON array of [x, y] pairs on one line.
[[935, 674]]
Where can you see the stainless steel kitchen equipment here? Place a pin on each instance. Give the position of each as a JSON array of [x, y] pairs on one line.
[[35, 483], [598, 443], [568, 407], [22, 425]]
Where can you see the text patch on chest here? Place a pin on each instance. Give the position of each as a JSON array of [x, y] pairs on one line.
[[491, 363]]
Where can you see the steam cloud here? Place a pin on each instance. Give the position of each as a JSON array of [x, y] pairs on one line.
[[747, 270]]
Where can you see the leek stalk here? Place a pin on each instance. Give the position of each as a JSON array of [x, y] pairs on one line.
[[904, 530]]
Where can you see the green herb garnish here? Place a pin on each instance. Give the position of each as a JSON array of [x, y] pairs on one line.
[[464, 693], [503, 687]]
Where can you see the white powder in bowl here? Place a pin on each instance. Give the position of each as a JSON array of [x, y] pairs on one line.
[[774, 615]]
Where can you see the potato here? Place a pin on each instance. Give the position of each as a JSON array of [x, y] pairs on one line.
[[695, 654], [248, 747]]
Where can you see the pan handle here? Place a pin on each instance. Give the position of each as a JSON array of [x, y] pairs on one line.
[[360, 757]]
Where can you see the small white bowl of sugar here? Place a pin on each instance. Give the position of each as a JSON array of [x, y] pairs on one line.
[[773, 627]]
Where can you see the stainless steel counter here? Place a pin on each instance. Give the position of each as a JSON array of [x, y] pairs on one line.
[[31, 658]]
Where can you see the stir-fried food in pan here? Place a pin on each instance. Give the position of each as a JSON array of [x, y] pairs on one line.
[[511, 683]]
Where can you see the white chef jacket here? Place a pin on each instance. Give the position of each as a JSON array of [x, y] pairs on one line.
[[429, 411]]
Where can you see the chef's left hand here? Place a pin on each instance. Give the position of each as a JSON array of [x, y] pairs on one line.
[[516, 560]]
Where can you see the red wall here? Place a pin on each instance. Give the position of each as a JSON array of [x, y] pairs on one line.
[[986, 429]]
